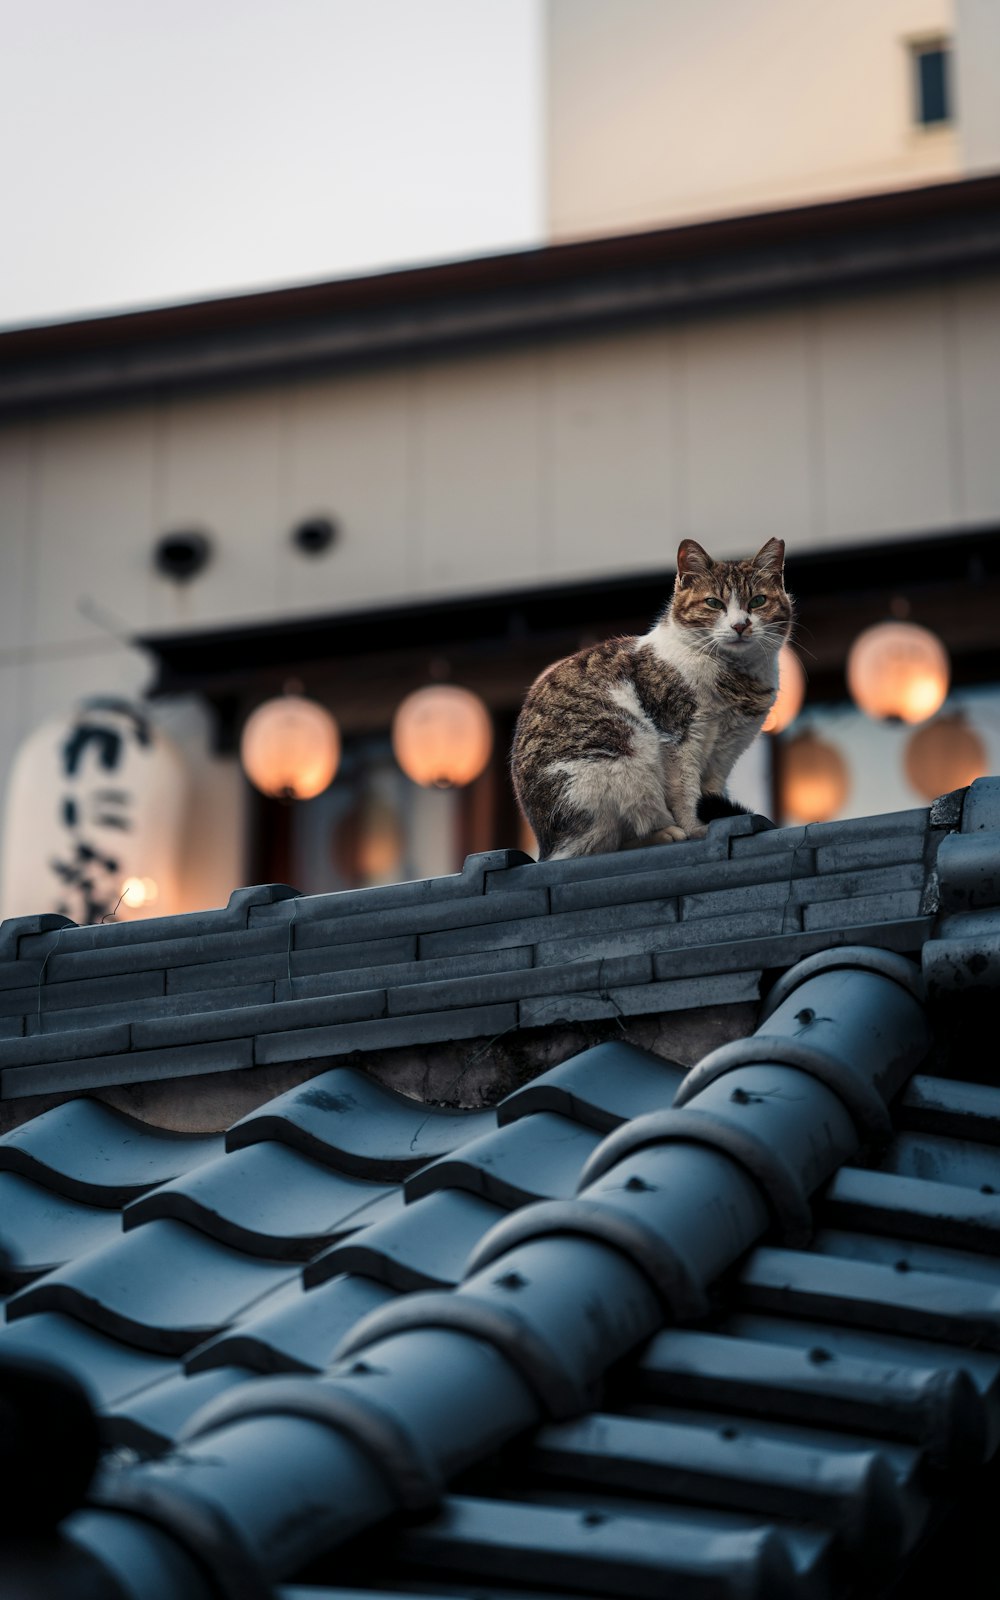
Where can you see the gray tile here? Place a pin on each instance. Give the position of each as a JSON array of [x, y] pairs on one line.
[[721, 840], [567, 979], [195, 1026], [943, 1106], [775, 841], [162, 1006], [732, 1467], [657, 1550], [349, 1121], [731, 902], [601, 1087], [662, 937], [480, 964], [421, 919], [540, 1157], [72, 1044], [132, 1066], [907, 1255], [89, 1152], [858, 883], [594, 926], [45, 997], [162, 1287], [981, 811], [150, 1421], [938, 1158], [814, 1384], [108, 1369], [889, 825], [624, 888], [940, 1213], [783, 950], [866, 1294], [678, 994], [40, 1230], [268, 1200], [866, 908], [427, 1245], [856, 855], [140, 955], [319, 1044], [294, 1329]]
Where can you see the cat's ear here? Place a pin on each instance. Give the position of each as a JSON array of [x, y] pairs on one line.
[[770, 559], [692, 562]]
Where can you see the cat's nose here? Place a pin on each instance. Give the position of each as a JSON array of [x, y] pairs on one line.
[[740, 628]]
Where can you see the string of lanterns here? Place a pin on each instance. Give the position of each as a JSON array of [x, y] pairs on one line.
[[442, 738]]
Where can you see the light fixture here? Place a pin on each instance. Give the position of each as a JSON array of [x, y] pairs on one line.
[[945, 755], [442, 736], [791, 692], [898, 672], [814, 779], [290, 748]]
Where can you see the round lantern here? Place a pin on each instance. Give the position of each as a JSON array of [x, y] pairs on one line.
[[791, 692], [290, 748], [898, 671], [95, 815], [442, 736], [945, 755], [814, 779]]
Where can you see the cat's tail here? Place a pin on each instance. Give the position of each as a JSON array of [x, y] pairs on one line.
[[713, 806]]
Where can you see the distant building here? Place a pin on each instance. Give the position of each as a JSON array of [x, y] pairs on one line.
[[781, 315]]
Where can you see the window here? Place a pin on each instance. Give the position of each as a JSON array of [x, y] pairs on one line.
[[932, 83]]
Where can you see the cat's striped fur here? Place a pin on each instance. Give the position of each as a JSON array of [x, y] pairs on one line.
[[616, 745]]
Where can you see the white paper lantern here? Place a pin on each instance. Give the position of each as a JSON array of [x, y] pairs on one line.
[[898, 671], [442, 736], [290, 748], [94, 817]]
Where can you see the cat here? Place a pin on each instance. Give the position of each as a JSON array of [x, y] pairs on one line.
[[631, 741]]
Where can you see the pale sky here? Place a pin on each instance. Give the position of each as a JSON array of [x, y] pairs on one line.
[[154, 151]]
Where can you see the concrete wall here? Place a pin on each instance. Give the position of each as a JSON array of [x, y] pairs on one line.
[[659, 112], [849, 420]]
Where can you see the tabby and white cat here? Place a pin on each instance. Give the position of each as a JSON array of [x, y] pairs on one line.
[[621, 744]]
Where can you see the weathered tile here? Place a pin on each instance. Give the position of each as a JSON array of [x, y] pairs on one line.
[[540, 1157], [293, 1329], [162, 1287], [865, 909], [318, 1044], [349, 1121], [267, 1199], [427, 1245], [132, 1066], [89, 1152], [40, 1230], [601, 1087]]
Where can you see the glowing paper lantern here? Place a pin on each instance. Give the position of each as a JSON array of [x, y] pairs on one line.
[[791, 692], [945, 755], [95, 815], [290, 748], [814, 779], [898, 671], [442, 736]]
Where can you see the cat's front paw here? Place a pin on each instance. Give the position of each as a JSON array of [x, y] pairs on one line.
[[669, 835]]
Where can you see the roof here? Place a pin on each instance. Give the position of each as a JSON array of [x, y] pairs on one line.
[[728, 1328], [910, 233]]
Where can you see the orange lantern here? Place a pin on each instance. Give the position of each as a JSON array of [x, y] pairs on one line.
[[290, 748], [899, 672], [945, 755], [442, 736], [814, 779], [791, 692]]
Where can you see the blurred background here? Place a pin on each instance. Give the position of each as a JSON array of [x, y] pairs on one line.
[[358, 358]]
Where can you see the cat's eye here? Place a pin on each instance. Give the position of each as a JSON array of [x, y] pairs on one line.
[[717, 605], [758, 600]]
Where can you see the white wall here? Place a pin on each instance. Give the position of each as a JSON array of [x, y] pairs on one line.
[[868, 417], [666, 110]]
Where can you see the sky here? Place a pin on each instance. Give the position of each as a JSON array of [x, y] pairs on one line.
[[155, 151]]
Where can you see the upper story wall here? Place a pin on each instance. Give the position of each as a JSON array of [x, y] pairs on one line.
[[848, 419], [658, 112]]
